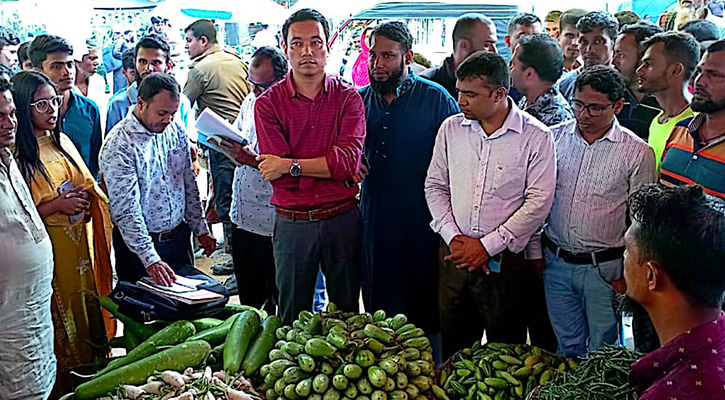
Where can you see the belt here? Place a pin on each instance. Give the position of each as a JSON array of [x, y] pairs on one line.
[[593, 258], [165, 236], [317, 215]]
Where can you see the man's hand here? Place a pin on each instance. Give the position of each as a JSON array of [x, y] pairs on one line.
[[243, 154], [208, 242], [468, 253], [537, 266], [161, 273], [361, 174], [273, 167], [620, 286]]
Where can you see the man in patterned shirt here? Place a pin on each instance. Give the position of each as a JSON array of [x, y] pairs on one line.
[[673, 268], [536, 65], [152, 191]]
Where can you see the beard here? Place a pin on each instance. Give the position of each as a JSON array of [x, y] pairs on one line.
[[391, 84], [708, 106]]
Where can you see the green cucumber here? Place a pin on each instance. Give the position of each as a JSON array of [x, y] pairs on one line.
[[238, 339], [203, 324], [173, 334], [216, 335], [231, 309], [177, 358], [263, 344]]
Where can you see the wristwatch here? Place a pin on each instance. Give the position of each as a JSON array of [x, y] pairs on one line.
[[296, 168]]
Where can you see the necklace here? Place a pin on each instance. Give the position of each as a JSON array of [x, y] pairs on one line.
[[665, 118]]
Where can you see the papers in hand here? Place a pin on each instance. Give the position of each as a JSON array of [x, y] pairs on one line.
[[213, 129], [184, 290]]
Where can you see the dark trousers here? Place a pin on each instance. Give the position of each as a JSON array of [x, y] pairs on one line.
[[176, 252], [473, 302], [254, 269], [222, 174], [303, 247], [532, 306]]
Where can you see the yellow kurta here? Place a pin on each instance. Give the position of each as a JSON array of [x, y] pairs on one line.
[[82, 261]]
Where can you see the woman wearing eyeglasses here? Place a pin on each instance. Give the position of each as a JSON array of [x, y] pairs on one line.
[[75, 212]]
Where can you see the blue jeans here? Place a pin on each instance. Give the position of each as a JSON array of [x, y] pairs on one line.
[[579, 300], [319, 300]]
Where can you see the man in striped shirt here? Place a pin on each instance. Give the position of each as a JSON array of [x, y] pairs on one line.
[[695, 152], [599, 164]]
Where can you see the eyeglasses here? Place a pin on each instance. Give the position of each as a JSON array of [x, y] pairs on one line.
[[594, 110], [44, 105], [261, 86]]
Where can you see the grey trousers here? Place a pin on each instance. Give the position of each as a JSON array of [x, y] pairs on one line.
[[303, 247]]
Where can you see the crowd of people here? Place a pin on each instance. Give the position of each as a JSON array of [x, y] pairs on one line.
[[533, 199]]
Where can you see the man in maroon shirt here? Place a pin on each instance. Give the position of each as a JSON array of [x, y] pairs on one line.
[[311, 129], [673, 267]]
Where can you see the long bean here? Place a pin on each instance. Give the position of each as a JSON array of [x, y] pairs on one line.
[[602, 376]]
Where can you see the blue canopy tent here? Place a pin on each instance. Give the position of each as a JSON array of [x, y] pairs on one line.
[[651, 9], [500, 13]]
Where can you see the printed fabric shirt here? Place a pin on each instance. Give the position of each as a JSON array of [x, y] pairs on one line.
[[593, 184], [498, 187], [121, 102], [151, 184], [550, 108], [690, 366], [28, 366], [251, 208], [82, 124]]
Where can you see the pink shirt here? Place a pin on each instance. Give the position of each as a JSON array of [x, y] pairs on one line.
[[332, 125]]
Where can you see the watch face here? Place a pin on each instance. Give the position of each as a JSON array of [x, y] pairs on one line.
[[295, 170]]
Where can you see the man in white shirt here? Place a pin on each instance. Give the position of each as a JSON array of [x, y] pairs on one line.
[[489, 188], [28, 366], [599, 164]]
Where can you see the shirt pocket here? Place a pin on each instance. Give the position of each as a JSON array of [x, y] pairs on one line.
[[508, 179]]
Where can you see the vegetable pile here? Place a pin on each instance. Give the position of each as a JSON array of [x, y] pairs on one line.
[[497, 371], [602, 376], [241, 342], [334, 355]]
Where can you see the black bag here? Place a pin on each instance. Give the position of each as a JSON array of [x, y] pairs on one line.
[[144, 305]]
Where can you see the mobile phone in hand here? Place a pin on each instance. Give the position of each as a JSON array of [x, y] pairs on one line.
[[64, 188]]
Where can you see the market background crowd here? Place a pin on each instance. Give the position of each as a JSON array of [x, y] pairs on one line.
[[536, 199]]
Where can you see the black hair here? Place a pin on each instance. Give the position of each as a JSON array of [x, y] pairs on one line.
[[716, 47], [702, 30], [129, 59], [522, 19], [683, 230], [27, 151], [306, 14], [23, 53], [397, 32], [626, 17], [153, 41], [483, 64], [598, 19], [542, 53], [201, 28], [5, 85], [8, 37], [603, 79], [571, 17], [153, 83], [642, 31], [466, 23], [43, 45], [156, 20], [679, 47], [275, 56]]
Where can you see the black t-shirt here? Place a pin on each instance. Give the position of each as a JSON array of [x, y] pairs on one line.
[[637, 116]]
